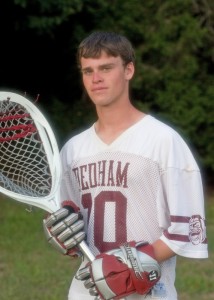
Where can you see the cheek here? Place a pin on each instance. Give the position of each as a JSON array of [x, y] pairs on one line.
[[120, 85], [86, 85], [118, 80], [84, 81]]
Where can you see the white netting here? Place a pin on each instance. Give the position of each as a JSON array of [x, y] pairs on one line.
[[24, 166]]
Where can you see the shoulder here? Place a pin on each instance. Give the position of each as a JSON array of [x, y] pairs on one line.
[[158, 132], [169, 145], [159, 127], [75, 143], [78, 138]]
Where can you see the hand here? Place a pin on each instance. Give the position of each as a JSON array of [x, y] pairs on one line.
[[63, 230], [132, 268]]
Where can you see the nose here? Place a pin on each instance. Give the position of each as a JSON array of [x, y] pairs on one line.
[[96, 77]]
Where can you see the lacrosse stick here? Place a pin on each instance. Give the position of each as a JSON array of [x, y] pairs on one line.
[[30, 170]]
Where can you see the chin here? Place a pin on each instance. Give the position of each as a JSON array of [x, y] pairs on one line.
[[101, 102]]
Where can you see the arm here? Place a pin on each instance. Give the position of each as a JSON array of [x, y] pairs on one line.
[[162, 251]]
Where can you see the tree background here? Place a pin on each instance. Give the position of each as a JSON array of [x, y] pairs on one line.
[[174, 42]]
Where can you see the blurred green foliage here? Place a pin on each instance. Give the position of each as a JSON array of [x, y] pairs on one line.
[[174, 42]]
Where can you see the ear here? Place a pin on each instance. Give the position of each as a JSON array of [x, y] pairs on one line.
[[129, 70]]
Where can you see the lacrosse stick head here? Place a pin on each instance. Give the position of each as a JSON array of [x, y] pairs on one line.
[[29, 157]]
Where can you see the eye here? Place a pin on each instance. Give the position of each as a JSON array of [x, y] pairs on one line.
[[87, 72], [106, 68]]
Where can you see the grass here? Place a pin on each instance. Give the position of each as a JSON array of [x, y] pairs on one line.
[[32, 269], [29, 267]]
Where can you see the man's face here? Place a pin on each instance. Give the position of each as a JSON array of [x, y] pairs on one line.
[[106, 79]]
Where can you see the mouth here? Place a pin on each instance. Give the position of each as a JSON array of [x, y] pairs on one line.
[[98, 89]]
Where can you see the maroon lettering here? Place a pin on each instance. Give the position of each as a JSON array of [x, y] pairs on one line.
[[102, 173], [92, 175], [76, 173], [84, 183], [110, 174], [121, 176]]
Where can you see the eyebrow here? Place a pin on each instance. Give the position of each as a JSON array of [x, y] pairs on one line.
[[99, 67]]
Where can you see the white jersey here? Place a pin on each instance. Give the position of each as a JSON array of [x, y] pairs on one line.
[[145, 185]]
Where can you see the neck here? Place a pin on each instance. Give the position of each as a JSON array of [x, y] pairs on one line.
[[113, 122]]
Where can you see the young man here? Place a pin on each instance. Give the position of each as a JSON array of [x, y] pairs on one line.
[[133, 179]]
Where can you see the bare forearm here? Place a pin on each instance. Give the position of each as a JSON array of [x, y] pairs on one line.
[[162, 251]]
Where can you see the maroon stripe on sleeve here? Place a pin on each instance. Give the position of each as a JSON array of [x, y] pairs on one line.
[[179, 237], [179, 219], [176, 237]]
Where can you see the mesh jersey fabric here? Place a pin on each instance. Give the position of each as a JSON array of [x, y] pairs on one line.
[[145, 185]]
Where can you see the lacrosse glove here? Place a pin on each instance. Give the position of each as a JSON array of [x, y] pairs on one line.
[[130, 269], [64, 229]]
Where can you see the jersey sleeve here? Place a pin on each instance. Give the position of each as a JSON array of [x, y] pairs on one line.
[[182, 200], [66, 189], [69, 189]]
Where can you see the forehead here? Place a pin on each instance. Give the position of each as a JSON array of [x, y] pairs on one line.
[[103, 59]]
